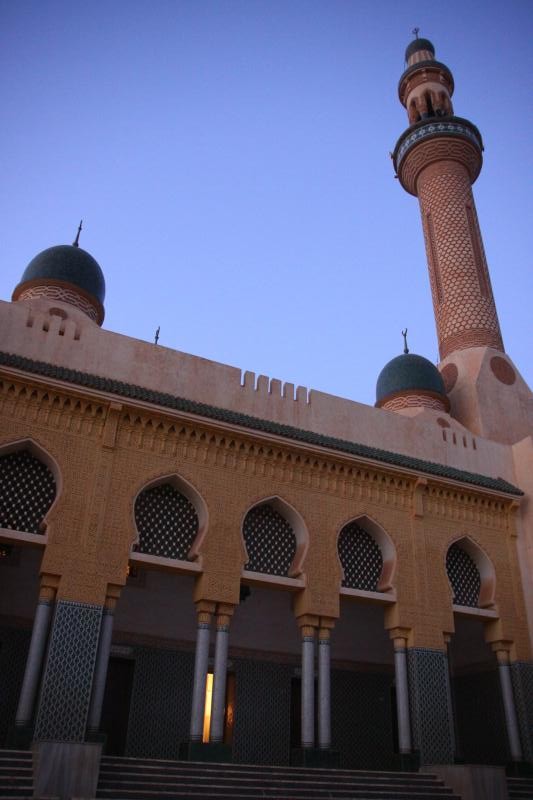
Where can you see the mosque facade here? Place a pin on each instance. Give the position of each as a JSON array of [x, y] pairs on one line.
[[200, 563]]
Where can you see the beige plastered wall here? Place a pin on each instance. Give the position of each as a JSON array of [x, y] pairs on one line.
[[106, 451]]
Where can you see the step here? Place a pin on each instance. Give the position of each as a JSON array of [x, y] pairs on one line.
[[144, 774]]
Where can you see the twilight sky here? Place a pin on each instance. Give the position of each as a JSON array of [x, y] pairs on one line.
[[230, 159]]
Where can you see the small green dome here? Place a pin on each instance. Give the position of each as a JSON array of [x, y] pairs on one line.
[[416, 45], [408, 372], [68, 264]]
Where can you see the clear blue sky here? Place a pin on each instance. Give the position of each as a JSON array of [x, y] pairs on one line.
[[230, 161]]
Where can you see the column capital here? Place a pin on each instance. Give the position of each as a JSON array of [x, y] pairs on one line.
[[49, 587], [205, 607], [399, 637], [503, 651], [308, 621]]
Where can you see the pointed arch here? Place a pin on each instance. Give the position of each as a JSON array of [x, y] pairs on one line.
[[471, 573], [170, 516], [30, 487], [275, 538], [367, 552]]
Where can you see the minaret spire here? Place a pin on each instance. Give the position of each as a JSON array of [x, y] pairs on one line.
[[437, 159], [76, 242]]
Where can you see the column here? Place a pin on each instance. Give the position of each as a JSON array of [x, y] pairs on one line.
[[102, 661], [511, 721], [34, 663], [324, 688], [219, 679], [203, 633], [308, 686], [402, 695]]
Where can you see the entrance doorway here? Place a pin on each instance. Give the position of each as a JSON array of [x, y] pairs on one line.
[[116, 705]]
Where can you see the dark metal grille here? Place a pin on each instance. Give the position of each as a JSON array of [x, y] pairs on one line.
[[464, 576], [167, 522], [27, 490], [360, 557], [270, 541]]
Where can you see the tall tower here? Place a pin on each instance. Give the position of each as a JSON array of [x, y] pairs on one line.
[[438, 158]]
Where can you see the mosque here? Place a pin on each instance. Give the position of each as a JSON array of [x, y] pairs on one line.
[[202, 564]]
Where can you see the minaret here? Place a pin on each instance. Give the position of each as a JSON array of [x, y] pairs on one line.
[[438, 158]]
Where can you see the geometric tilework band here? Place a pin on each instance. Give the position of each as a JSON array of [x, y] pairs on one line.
[[522, 680], [67, 681], [430, 706]]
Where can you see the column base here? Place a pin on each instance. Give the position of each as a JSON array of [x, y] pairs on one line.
[[519, 769], [407, 762], [315, 757], [216, 752], [66, 769], [20, 737]]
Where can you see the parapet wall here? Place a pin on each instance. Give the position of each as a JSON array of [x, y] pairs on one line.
[[57, 333]]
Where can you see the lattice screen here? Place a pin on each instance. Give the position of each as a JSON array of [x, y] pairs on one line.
[[360, 557], [167, 522], [464, 576], [27, 490], [270, 541]]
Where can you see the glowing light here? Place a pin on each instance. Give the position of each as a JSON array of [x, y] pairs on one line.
[[207, 707]]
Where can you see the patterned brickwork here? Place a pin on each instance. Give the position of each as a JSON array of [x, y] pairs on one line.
[[270, 541], [68, 676], [360, 557], [62, 294], [434, 151], [361, 719], [263, 688], [414, 401], [160, 702], [464, 577], [430, 706], [167, 522], [522, 678], [482, 737], [464, 307], [14, 646], [27, 490]]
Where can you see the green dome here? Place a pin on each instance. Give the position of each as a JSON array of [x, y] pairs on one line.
[[416, 45], [408, 372], [68, 264]]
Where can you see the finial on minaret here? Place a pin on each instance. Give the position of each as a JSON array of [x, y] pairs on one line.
[[405, 348], [156, 338], [76, 242], [416, 31]]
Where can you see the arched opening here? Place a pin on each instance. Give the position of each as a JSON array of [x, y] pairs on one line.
[[367, 556], [28, 487], [471, 574], [479, 719], [170, 519], [275, 538]]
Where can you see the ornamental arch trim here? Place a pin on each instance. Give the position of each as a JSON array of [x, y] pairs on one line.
[[187, 490], [484, 566], [40, 454], [297, 525], [385, 580]]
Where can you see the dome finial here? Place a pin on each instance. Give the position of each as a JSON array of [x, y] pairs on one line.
[[416, 31], [405, 348], [76, 242]]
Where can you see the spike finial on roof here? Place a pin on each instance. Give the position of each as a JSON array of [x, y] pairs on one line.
[[405, 348], [76, 242]]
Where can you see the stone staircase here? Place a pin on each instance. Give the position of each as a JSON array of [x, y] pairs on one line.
[[16, 775], [141, 779], [520, 788]]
